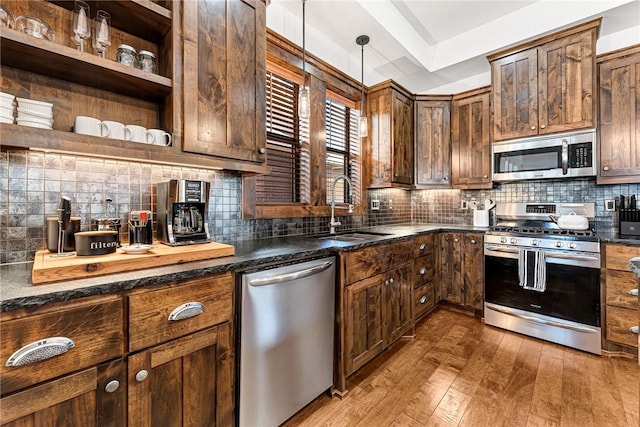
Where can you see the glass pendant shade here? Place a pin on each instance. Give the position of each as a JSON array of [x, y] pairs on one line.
[[363, 126], [304, 104]]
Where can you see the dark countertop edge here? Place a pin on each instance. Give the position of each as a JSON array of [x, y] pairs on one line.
[[634, 265], [17, 292]]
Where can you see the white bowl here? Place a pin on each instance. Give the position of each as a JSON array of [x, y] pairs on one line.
[[6, 120], [30, 118], [27, 114], [33, 124], [7, 96], [39, 107]]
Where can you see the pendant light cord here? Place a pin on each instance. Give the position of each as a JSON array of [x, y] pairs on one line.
[[304, 56], [362, 81]]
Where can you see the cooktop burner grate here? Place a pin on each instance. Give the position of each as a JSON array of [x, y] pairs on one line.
[[541, 231]]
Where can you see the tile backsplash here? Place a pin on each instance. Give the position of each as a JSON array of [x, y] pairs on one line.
[[31, 184]]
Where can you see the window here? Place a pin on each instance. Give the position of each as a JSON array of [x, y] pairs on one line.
[[343, 149], [286, 145]]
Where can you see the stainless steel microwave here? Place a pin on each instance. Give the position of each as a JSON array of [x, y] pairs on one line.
[[566, 155]]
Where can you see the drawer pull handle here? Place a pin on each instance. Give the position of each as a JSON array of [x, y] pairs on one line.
[[423, 246], [142, 375], [634, 292], [424, 299], [40, 350], [423, 271], [112, 386], [634, 330], [186, 311]]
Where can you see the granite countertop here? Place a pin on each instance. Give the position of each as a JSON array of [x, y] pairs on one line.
[[17, 291], [634, 264], [615, 237]]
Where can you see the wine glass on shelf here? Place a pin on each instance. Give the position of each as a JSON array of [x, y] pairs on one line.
[[101, 32], [81, 24]]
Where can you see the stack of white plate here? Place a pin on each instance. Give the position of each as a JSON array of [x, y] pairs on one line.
[[36, 114], [7, 109]]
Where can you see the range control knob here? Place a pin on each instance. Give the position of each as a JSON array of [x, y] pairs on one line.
[[573, 245], [535, 242], [503, 240], [514, 241], [559, 244]]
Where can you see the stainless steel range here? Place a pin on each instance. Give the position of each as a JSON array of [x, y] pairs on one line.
[[541, 280]]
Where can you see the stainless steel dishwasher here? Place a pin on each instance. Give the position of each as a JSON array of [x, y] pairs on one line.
[[286, 340]]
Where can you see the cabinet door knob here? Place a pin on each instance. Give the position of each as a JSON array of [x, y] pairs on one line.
[[386, 282], [262, 150], [40, 350], [423, 271], [142, 375], [634, 330], [112, 386], [391, 281], [186, 310], [533, 128], [543, 126], [395, 174], [424, 299], [456, 240], [446, 178], [423, 246], [473, 241], [606, 168], [634, 292], [485, 176]]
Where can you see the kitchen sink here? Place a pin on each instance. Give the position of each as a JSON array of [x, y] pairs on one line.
[[358, 236]]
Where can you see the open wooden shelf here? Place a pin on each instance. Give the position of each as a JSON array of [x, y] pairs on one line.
[[25, 52], [150, 20], [51, 140]]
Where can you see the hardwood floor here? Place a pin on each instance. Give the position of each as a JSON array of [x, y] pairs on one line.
[[459, 372]]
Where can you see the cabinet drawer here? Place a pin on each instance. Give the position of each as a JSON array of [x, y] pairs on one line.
[[619, 284], [618, 256], [422, 270], [374, 260], [619, 321], [423, 299], [149, 311], [95, 327], [423, 245]]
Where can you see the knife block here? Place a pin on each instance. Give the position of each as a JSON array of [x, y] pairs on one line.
[[629, 222]]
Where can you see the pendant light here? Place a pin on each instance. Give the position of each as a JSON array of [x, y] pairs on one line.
[[363, 124], [304, 104]]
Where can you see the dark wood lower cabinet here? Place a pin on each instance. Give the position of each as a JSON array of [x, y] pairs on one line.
[[461, 273], [80, 399], [185, 382], [398, 302]]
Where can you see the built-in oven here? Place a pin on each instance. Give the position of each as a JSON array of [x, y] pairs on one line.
[[558, 156], [543, 282]]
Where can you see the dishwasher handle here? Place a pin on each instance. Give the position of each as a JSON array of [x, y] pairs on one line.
[[281, 278]]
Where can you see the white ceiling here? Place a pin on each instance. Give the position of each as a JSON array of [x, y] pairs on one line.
[[439, 46]]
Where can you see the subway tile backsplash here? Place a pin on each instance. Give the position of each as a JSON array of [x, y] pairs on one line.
[[31, 184]]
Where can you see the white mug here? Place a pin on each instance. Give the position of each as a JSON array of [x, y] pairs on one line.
[[159, 137], [138, 133], [115, 130], [87, 125]]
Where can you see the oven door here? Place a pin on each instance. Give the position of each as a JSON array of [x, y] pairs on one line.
[[572, 284]]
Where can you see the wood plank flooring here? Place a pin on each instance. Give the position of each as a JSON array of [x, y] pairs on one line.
[[459, 372]]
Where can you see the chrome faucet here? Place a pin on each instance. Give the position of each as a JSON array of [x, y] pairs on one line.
[[333, 223]]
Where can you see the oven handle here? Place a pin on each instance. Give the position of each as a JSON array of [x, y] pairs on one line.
[[565, 157], [573, 257], [501, 249], [542, 321]]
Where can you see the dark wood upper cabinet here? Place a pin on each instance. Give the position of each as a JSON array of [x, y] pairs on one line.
[[470, 140], [391, 136], [619, 123], [545, 86], [224, 79], [433, 141]]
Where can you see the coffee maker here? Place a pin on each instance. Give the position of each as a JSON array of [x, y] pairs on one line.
[[182, 212]]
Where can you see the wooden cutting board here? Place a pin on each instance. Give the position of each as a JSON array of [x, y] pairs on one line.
[[49, 269]]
